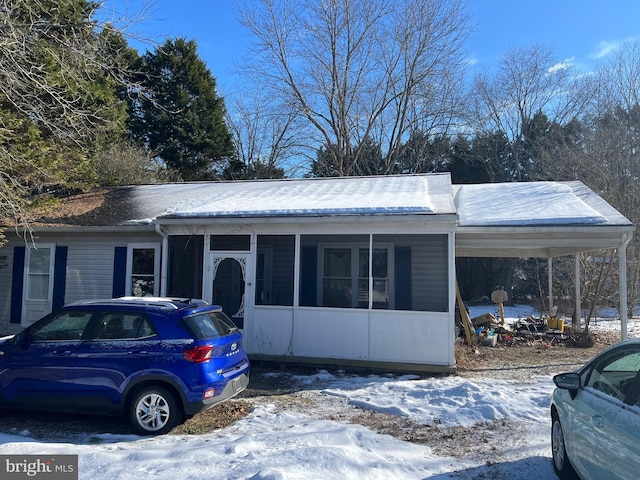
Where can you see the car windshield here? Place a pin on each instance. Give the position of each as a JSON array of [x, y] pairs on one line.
[[63, 326], [210, 325]]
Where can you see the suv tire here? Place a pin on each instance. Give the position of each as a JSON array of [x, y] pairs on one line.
[[154, 411]]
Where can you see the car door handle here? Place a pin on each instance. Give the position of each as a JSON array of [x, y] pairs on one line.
[[598, 421], [138, 352], [61, 353]]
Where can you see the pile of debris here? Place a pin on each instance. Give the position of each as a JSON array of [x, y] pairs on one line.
[[487, 330]]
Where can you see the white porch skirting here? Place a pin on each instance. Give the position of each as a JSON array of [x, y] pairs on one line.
[[383, 336]]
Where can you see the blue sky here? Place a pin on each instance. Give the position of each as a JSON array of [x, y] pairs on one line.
[[578, 30]]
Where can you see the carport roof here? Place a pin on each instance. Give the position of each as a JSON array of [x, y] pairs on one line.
[[535, 219]]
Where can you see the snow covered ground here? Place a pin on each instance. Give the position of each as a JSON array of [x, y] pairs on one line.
[[275, 444]]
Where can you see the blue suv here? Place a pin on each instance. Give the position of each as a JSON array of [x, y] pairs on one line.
[[157, 360]]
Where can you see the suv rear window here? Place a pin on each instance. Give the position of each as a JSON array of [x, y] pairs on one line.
[[210, 325]]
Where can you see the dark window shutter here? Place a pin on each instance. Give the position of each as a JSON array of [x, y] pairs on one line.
[[119, 272], [17, 284], [403, 278], [59, 277]]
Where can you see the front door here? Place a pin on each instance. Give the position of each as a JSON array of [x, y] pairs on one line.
[[228, 280]]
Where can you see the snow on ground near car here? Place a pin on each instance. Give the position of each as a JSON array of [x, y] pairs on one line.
[[275, 444]]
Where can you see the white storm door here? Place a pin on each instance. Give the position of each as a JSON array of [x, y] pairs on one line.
[[227, 283]]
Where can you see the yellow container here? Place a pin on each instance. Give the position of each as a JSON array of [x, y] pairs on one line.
[[560, 325], [552, 323]]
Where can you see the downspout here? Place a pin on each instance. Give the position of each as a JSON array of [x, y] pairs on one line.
[[164, 259], [622, 267]]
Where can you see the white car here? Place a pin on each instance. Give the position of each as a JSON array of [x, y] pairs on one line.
[[595, 415]]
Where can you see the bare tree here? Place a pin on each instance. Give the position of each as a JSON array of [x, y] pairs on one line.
[[125, 163], [528, 81], [358, 69], [266, 134], [612, 144]]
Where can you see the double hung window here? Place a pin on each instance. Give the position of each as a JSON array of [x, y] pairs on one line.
[[39, 273], [350, 280], [143, 266]]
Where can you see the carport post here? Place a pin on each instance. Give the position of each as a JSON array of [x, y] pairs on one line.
[[622, 267], [550, 283], [578, 309]]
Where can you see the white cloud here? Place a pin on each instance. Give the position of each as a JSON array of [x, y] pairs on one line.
[[605, 48], [564, 65]]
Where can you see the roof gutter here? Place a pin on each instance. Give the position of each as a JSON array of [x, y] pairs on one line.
[[333, 219], [95, 229]]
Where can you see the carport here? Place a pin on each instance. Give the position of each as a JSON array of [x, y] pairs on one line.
[[543, 220]]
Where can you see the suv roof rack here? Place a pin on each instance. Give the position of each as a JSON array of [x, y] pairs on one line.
[[166, 302]]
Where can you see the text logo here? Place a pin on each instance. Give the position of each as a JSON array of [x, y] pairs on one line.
[[50, 467]]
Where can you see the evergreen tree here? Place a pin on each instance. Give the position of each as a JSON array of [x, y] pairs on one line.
[[180, 117], [58, 100]]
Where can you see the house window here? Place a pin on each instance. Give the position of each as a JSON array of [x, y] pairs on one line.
[[39, 273], [344, 271], [380, 272], [143, 266]]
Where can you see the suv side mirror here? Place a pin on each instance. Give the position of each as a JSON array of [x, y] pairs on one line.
[[21, 339]]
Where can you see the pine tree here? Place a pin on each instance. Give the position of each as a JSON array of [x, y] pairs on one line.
[[180, 119]]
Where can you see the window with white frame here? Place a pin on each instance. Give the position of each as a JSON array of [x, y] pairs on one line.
[[345, 275], [39, 273], [143, 269]]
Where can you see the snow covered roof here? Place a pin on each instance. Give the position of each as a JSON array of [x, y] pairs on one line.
[[535, 219], [497, 219], [399, 195], [136, 205], [533, 203]]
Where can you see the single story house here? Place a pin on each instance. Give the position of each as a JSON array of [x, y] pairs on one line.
[[351, 271]]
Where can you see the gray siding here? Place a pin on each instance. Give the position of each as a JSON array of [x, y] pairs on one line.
[[429, 269], [89, 270], [89, 267], [430, 275]]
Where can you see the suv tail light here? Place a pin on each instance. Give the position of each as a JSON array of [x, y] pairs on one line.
[[198, 354]]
